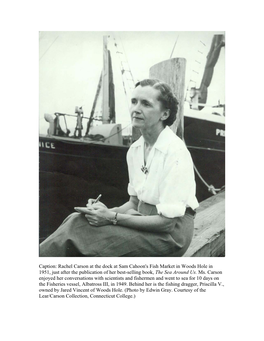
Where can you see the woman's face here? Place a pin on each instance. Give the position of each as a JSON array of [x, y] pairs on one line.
[[146, 111]]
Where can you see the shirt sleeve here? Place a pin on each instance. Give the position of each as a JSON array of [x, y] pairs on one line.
[[177, 185]]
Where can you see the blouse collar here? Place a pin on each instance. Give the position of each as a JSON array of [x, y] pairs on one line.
[[164, 139]]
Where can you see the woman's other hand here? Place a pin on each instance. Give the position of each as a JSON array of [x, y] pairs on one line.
[[99, 215]]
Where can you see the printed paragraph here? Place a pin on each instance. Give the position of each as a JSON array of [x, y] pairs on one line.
[[125, 281]]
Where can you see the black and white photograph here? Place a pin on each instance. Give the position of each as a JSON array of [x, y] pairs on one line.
[[132, 144]]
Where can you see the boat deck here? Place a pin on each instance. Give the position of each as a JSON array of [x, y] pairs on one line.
[[209, 228]]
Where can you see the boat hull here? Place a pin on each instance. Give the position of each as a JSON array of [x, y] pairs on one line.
[[205, 140], [71, 172]]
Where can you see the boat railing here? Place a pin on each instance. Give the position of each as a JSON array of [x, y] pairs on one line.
[[107, 133]]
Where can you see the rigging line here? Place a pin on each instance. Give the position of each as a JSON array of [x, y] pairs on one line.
[[211, 188], [48, 48], [123, 71], [194, 71], [174, 46], [118, 131], [127, 60]]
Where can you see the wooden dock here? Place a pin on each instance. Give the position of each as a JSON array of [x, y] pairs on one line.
[[209, 228]]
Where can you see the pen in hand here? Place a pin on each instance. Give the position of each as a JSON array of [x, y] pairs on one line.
[[84, 209], [97, 199]]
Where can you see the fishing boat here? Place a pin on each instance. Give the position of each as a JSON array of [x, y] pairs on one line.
[[93, 160]]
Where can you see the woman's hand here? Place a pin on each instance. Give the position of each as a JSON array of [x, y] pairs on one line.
[[91, 202], [98, 215]]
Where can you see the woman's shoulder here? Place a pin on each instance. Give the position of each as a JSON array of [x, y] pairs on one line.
[[172, 143]]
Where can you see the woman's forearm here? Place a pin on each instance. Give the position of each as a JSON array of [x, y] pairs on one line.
[[153, 223]]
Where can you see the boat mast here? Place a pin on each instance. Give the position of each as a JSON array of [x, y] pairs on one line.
[[105, 83], [108, 103], [94, 105], [108, 90]]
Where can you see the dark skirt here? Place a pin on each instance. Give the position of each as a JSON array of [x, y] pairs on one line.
[[77, 238]]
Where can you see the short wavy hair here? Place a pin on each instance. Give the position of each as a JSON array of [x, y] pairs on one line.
[[167, 97]]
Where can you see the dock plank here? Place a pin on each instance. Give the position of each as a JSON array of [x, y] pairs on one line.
[[209, 229]]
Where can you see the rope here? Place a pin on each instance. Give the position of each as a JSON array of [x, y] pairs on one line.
[[211, 188]]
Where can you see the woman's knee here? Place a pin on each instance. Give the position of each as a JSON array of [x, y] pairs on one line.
[[71, 216]]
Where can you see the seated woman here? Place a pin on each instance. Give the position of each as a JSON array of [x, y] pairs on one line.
[[158, 220]]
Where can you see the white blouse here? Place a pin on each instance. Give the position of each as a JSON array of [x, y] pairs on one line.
[[168, 181]]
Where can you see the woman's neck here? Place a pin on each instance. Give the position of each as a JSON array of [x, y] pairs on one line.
[[150, 136]]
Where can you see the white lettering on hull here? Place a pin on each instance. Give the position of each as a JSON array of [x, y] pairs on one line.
[[220, 132], [48, 145]]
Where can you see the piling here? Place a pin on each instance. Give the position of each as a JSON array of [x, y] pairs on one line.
[[172, 71]]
